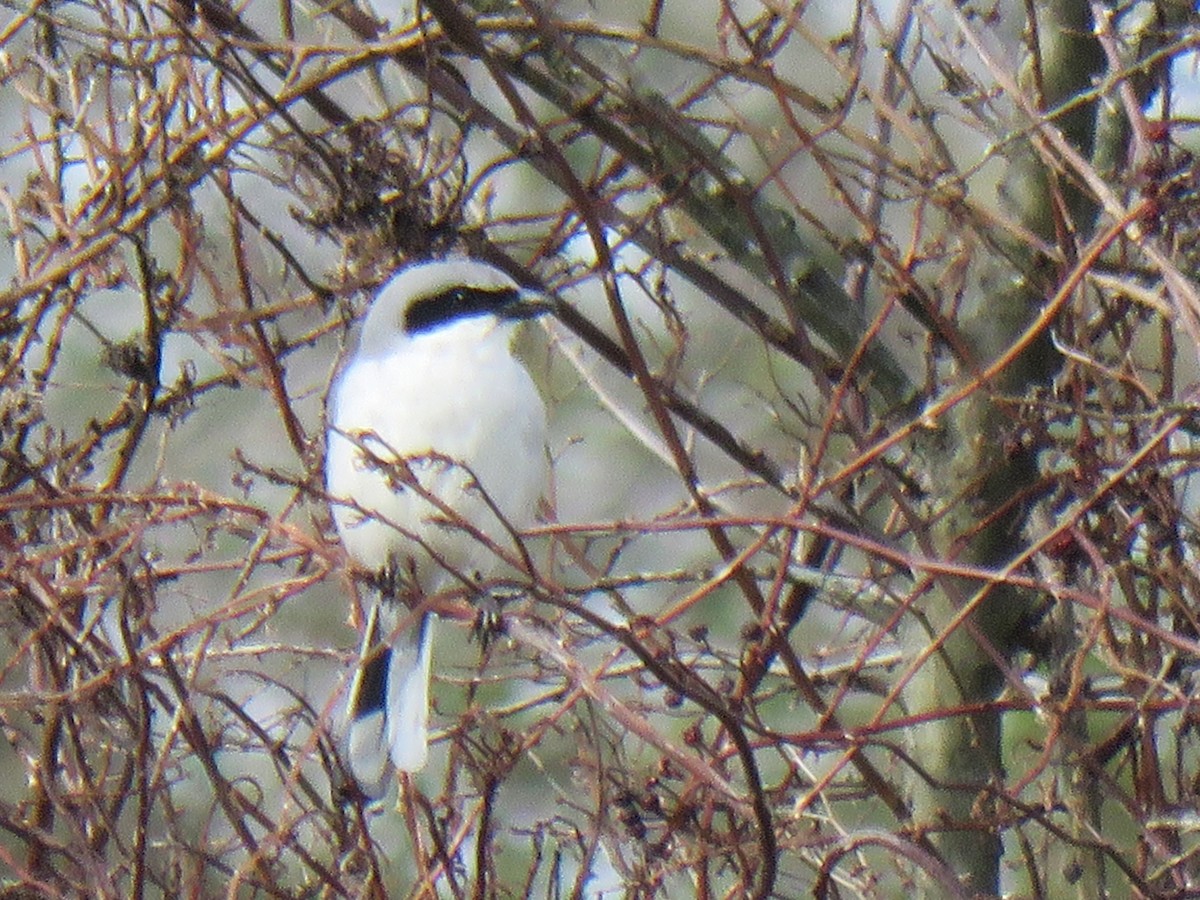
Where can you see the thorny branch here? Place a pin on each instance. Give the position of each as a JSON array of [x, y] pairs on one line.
[[774, 238]]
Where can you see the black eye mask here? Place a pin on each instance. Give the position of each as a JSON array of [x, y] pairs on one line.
[[459, 303]]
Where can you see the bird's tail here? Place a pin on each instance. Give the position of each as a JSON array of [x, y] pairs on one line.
[[389, 703]]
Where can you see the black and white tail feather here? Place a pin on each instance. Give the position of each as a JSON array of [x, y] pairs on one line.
[[389, 699]]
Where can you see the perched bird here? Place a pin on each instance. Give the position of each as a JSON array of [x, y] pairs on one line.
[[434, 428]]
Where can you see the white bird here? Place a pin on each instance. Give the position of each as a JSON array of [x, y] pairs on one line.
[[433, 426]]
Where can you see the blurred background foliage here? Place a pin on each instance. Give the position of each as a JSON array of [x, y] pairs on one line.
[[869, 563]]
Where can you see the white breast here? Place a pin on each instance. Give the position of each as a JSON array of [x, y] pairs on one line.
[[456, 391]]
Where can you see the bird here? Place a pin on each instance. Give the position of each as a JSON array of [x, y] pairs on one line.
[[435, 447]]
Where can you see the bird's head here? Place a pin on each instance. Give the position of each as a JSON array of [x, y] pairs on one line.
[[430, 296]]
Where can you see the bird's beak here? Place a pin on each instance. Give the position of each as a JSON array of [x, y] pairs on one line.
[[527, 305]]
